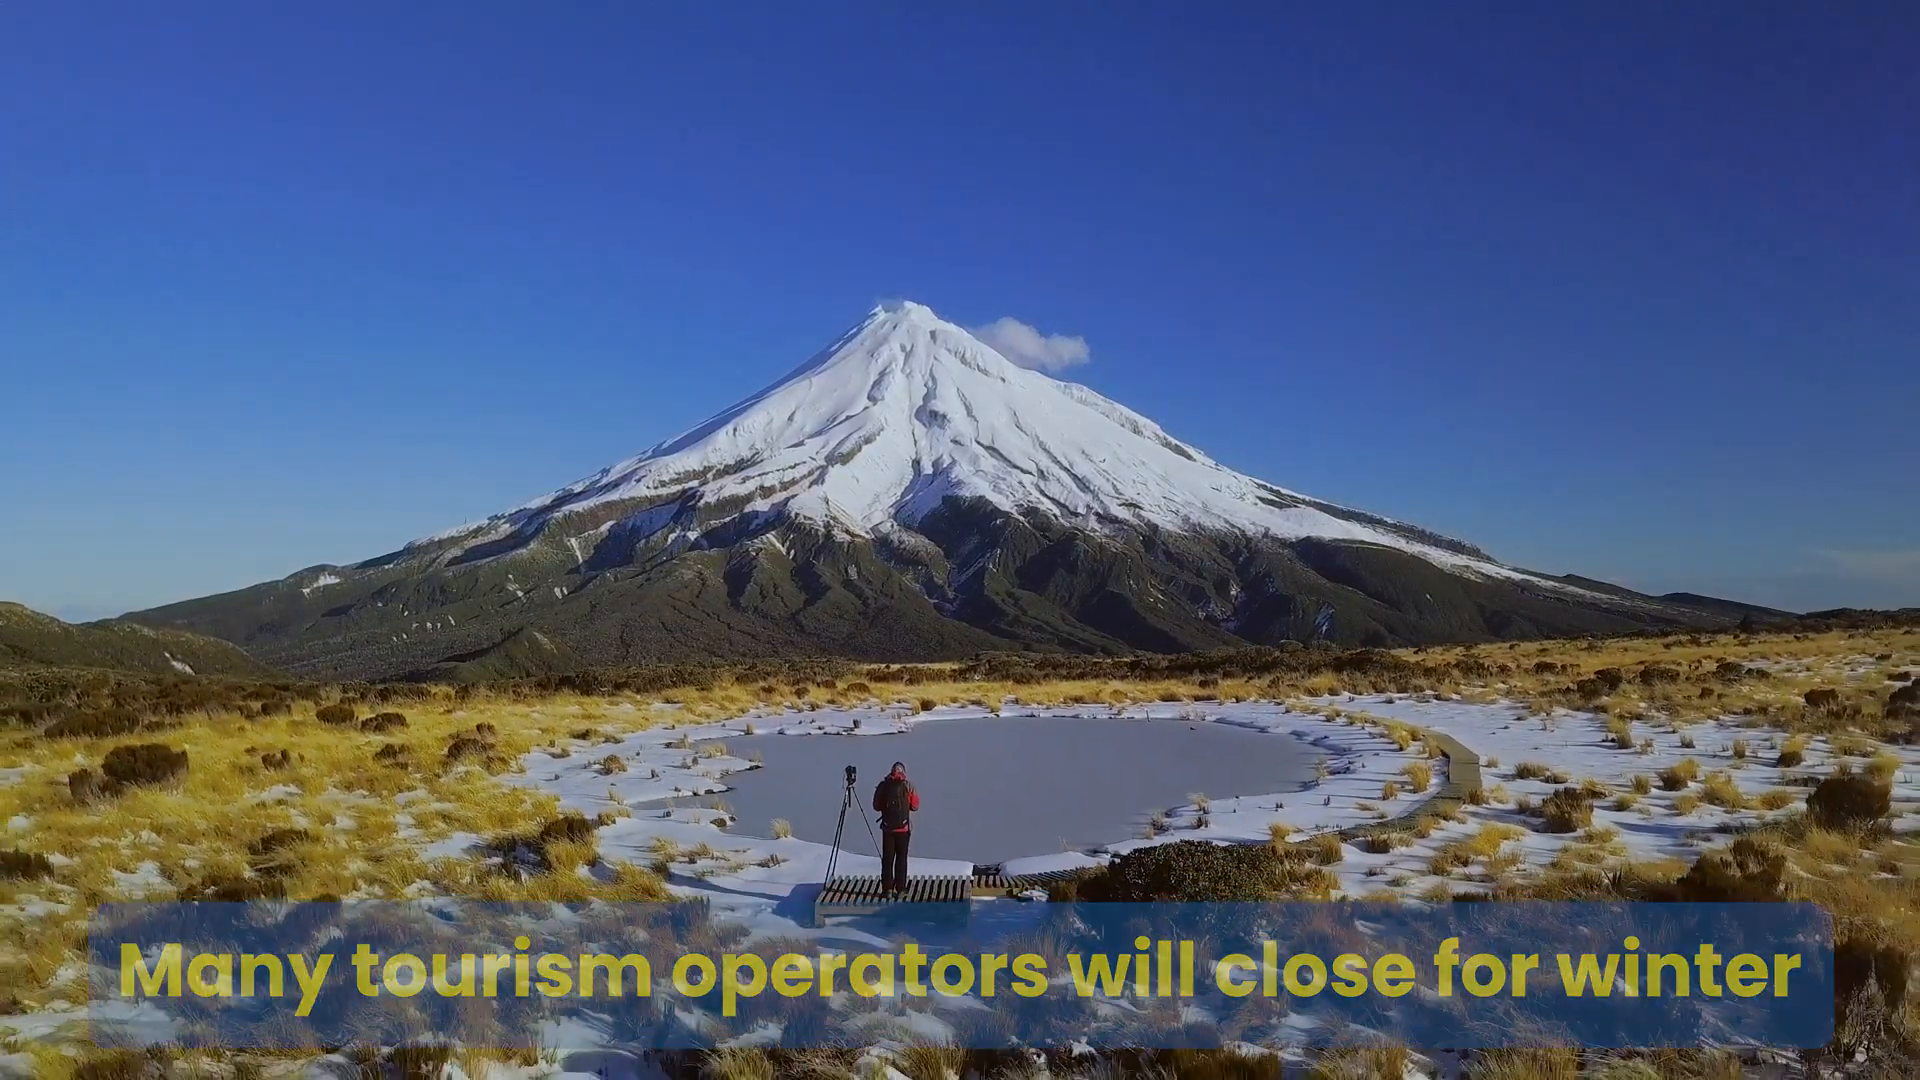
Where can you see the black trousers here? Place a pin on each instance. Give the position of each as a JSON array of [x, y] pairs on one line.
[[893, 859]]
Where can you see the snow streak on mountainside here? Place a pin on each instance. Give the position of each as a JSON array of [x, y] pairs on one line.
[[907, 410]]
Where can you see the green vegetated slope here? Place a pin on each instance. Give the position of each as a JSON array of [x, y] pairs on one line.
[[29, 638], [970, 578]]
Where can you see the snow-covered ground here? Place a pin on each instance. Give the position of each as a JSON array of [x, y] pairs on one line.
[[755, 875], [767, 882], [660, 767]]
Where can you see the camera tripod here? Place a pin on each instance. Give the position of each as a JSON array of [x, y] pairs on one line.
[[846, 803]]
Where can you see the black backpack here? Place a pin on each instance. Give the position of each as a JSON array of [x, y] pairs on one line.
[[893, 802]]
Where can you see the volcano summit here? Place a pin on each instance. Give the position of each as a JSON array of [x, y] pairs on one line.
[[908, 493]]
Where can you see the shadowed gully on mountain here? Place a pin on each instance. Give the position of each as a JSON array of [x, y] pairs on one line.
[[908, 493]]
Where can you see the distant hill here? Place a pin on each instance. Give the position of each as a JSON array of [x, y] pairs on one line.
[[1732, 609], [29, 638]]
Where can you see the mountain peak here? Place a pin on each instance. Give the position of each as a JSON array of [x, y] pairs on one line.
[[907, 308], [906, 411]]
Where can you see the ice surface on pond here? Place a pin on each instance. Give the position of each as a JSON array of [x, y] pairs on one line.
[[995, 788]]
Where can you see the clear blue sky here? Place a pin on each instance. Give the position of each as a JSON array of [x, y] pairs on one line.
[[1626, 289]]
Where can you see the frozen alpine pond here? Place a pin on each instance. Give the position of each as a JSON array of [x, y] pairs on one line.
[[994, 788]]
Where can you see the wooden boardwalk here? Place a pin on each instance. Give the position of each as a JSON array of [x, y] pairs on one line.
[[1463, 779], [932, 897]]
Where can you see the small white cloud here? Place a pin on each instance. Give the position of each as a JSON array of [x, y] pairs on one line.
[[1896, 565], [1029, 348]]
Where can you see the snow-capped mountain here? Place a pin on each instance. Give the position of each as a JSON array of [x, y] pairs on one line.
[[907, 492], [907, 410]]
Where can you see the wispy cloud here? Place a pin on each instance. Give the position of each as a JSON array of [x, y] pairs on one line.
[[1028, 347], [1898, 566]]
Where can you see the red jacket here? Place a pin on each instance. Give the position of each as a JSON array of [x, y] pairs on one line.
[[880, 800]]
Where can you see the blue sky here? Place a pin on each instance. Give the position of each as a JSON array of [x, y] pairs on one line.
[[1626, 290]]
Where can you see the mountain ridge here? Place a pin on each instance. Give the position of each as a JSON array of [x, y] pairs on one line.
[[907, 493]]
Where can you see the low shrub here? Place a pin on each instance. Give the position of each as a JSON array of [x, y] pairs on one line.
[[1188, 871], [1567, 810], [338, 714], [1718, 789], [1677, 777], [143, 764], [465, 746], [385, 721], [1849, 802], [24, 866], [1419, 774], [1751, 870]]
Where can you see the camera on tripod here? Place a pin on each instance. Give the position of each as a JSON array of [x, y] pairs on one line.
[[839, 829]]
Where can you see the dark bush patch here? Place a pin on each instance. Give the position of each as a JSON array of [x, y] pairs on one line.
[[99, 724], [465, 746], [486, 730], [278, 706], [1749, 871], [1187, 870], [1822, 699], [339, 714], [277, 841], [1906, 695], [274, 853], [390, 752], [1610, 677], [1656, 674], [276, 760], [386, 721], [1856, 961], [1901, 676], [1843, 802], [1547, 667], [24, 866], [85, 786], [143, 763]]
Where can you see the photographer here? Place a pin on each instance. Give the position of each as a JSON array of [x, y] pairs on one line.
[[895, 800]]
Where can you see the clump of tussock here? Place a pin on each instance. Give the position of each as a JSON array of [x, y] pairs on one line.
[[1677, 777], [1419, 775], [1567, 810], [383, 721]]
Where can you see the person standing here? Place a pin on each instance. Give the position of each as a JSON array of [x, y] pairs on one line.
[[896, 801]]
